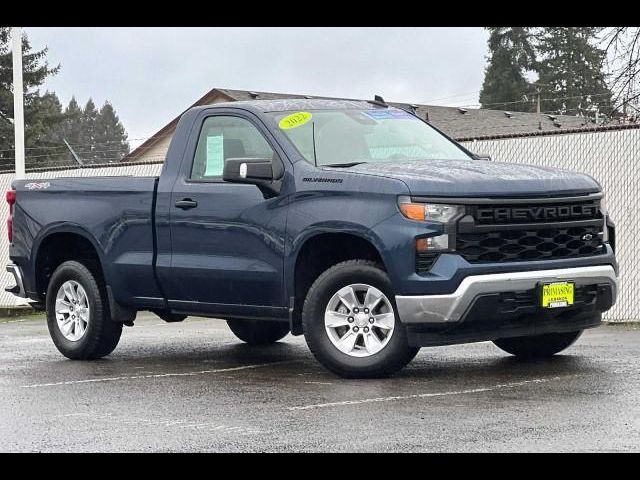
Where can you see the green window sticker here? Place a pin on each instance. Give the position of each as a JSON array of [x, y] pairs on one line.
[[215, 156]]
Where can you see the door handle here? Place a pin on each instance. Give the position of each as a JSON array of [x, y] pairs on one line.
[[186, 203]]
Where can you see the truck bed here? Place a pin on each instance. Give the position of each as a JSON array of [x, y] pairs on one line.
[[115, 212]]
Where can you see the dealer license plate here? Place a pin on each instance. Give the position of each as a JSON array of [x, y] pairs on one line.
[[557, 294]]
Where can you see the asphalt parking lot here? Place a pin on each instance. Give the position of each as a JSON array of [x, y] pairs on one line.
[[192, 386]]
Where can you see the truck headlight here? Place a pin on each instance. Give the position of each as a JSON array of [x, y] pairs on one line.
[[428, 212]]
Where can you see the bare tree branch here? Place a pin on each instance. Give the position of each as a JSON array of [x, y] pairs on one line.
[[623, 62]]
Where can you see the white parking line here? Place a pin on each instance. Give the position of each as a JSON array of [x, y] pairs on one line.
[[213, 426], [156, 375], [428, 395]]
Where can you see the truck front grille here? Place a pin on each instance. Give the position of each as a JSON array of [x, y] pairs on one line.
[[501, 233], [523, 245]]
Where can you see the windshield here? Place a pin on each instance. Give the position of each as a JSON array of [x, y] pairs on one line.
[[361, 136]]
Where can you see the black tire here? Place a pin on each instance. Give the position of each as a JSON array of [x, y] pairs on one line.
[[394, 356], [258, 332], [102, 334], [538, 346]]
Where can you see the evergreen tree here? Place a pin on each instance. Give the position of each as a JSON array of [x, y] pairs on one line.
[[73, 123], [511, 56], [96, 136], [46, 123], [87, 143], [570, 69], [110, 136], [40, 111], [70, 129]]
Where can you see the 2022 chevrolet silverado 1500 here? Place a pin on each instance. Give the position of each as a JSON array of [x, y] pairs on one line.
[[354, 223]]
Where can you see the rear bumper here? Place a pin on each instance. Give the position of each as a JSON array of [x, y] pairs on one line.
[[451, 308], [18, 288]]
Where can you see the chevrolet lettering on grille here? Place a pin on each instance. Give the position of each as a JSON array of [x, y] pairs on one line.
[[536, 213]]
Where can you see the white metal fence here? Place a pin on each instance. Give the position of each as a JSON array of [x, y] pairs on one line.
[[612, 157]]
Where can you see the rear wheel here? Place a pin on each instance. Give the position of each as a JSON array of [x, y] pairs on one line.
[[538, 346], [258, 332], [351, 324], [77, 313]]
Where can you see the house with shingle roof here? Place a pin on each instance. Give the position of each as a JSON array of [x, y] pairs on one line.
[[459, 123]]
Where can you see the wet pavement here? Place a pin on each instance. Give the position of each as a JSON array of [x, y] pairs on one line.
[[192, 386]]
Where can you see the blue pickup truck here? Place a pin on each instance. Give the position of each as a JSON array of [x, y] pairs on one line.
[[353, 223]]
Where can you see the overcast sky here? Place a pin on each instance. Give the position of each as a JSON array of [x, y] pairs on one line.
[[151, 74]]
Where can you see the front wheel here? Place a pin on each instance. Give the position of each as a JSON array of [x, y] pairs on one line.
[[538, 346], [351, 324]]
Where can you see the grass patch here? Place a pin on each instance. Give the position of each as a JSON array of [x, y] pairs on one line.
[[17, 314], [625, 323]]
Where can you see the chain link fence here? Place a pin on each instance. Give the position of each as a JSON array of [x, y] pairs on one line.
[[611, 156]]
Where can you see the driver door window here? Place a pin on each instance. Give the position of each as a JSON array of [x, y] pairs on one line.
[[224, 137]]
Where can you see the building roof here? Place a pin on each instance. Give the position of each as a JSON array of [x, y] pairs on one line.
[[459, 123]]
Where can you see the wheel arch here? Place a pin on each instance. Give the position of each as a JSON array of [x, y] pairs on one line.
[[320, 248], [60, 243]]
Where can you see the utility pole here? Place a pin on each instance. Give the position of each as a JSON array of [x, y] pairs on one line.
[[538, 107], [18, 106]]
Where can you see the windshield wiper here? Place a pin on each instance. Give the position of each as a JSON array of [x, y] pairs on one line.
[[343, 165]]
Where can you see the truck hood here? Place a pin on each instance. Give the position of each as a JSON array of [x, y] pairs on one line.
[[472, 178]]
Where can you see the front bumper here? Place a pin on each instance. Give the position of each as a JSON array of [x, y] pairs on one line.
[[451, 308]]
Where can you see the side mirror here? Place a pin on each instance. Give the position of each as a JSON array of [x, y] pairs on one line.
[[482, 156], [265, 173], [247, 170]]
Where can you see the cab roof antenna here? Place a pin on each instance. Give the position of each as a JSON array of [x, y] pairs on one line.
[[378, 100]]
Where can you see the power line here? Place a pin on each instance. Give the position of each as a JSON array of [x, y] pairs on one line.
[[59, 145], [81, 152], [452, 96], [106, 143], [542, 99]]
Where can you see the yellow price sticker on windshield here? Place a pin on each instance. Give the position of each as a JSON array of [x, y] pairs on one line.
[[294, 120]]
